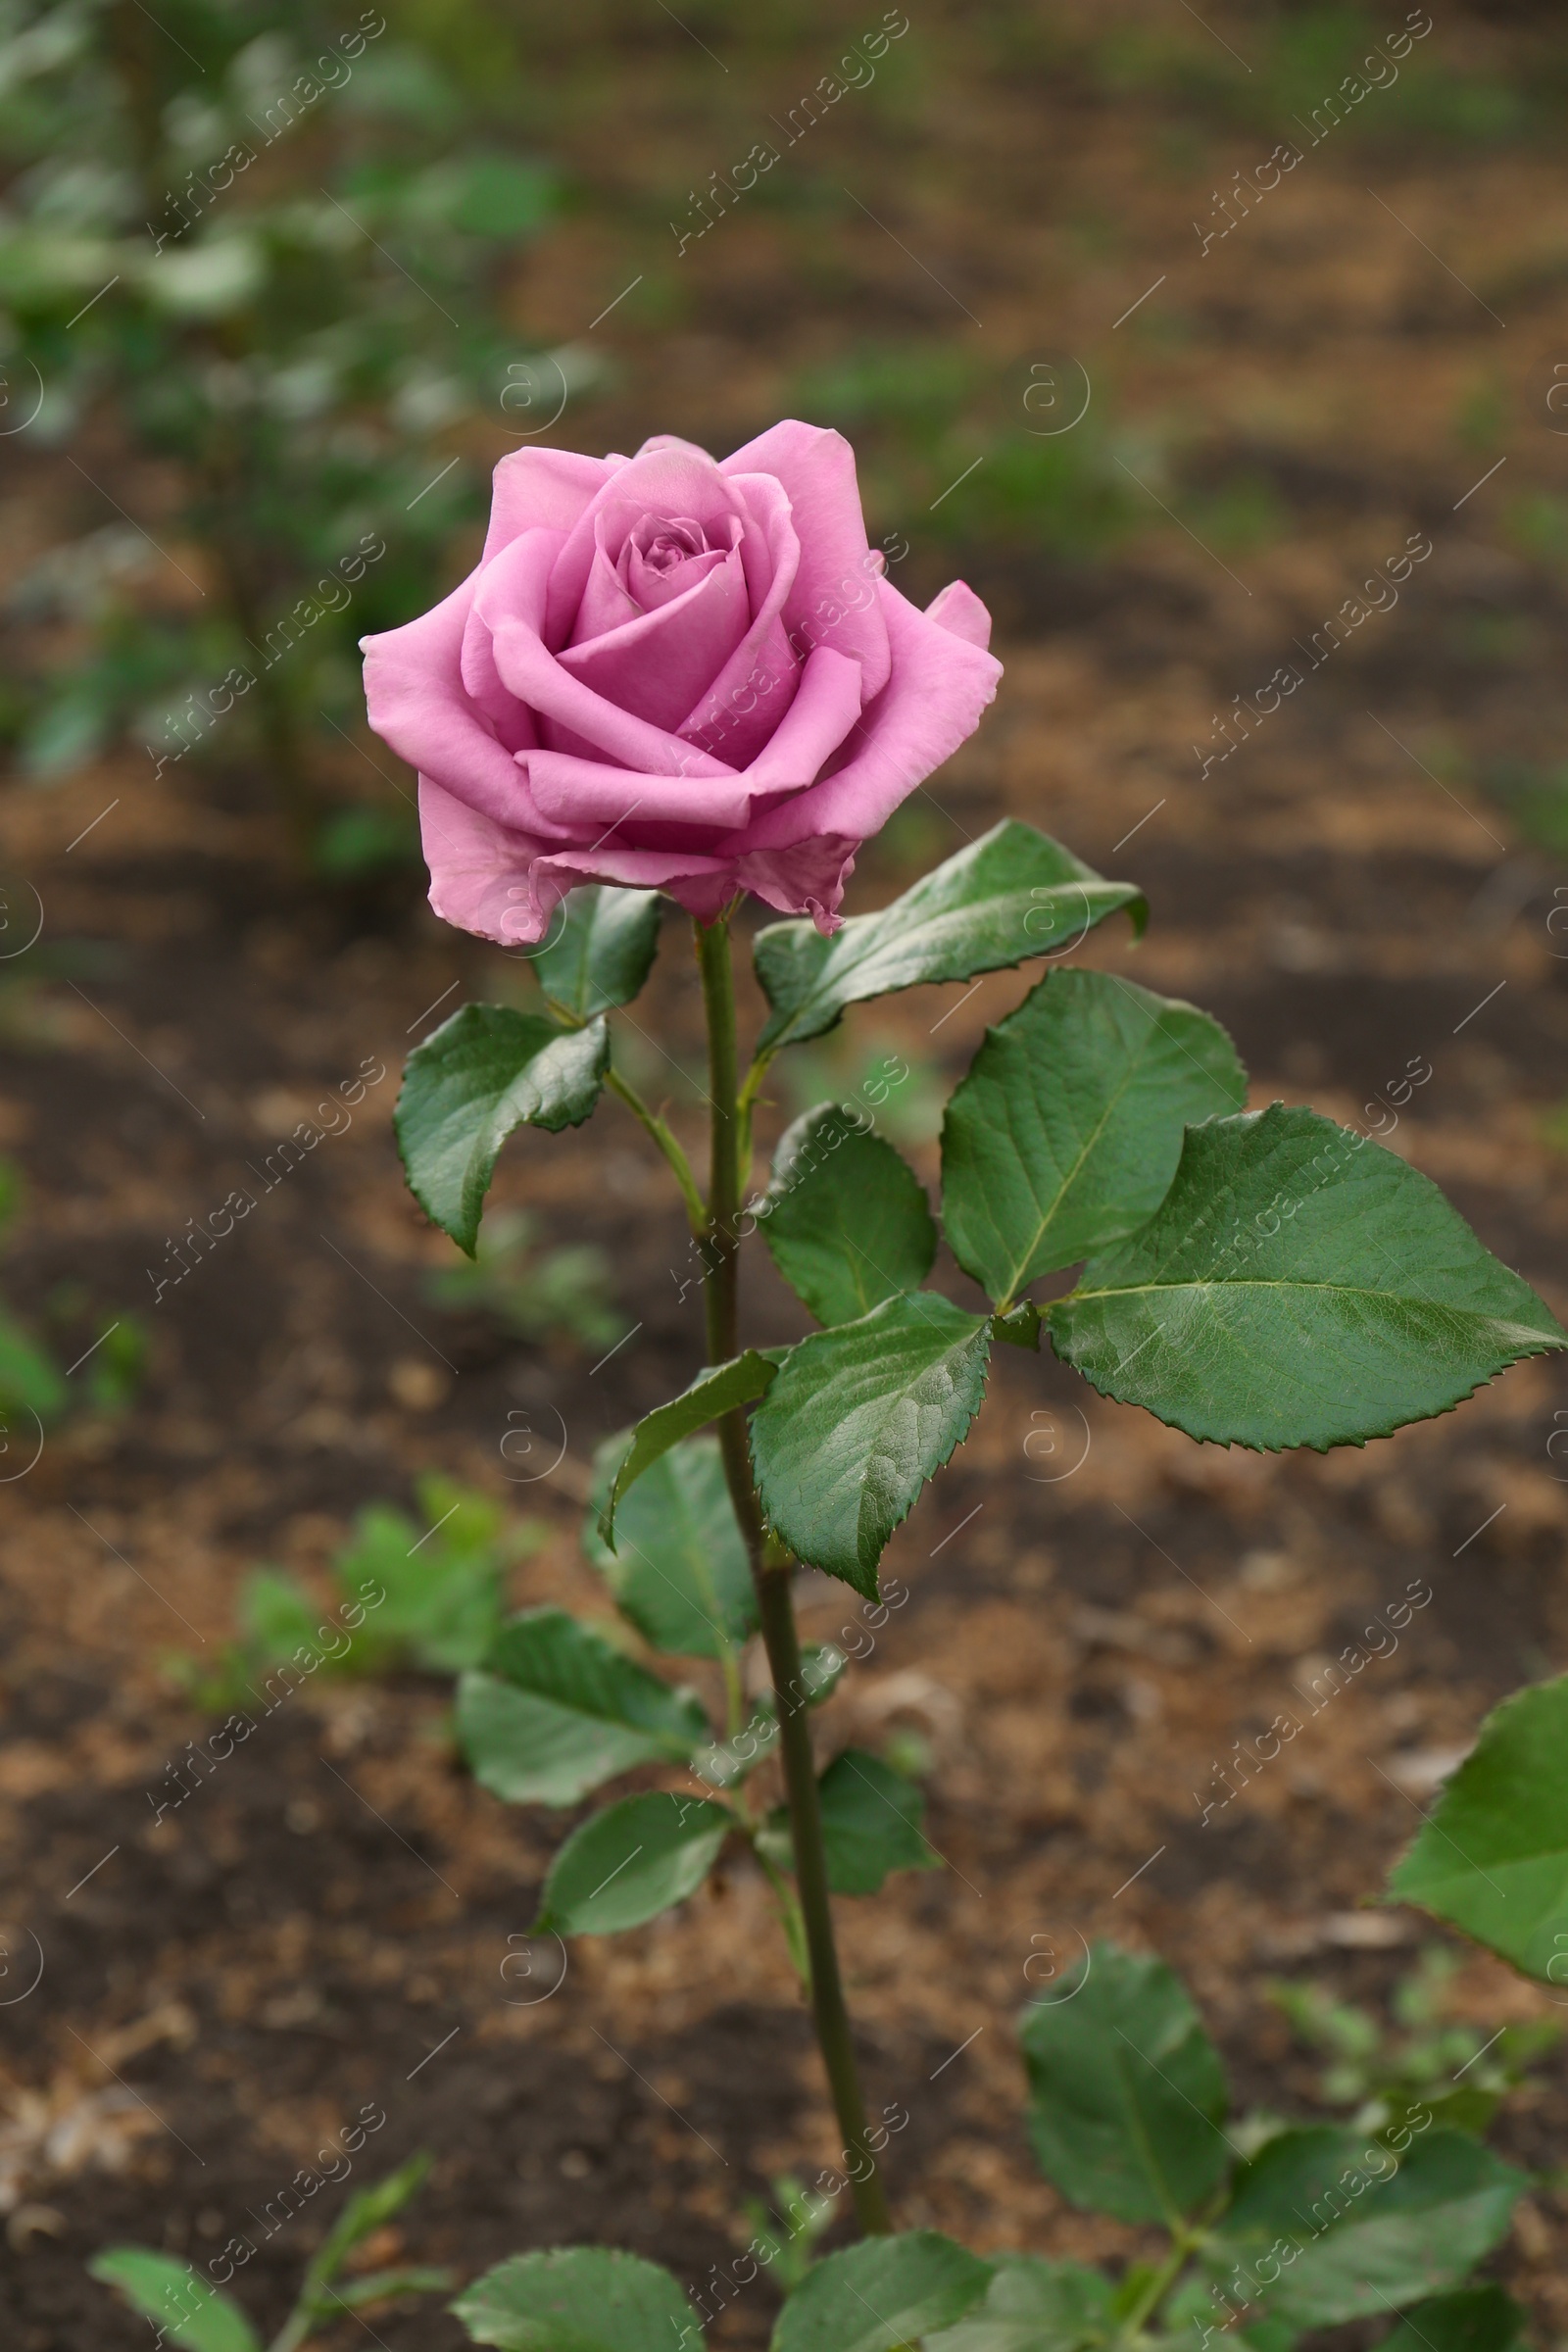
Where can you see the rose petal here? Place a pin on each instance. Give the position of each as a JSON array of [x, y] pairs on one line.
[[749, 696], [542, 489], [518, 578], [600, 727], [657, 663], [479, 871], [808, 879], [827, 603], [956, 608], [586, 795], [826, 706], [939, 686], [415, 695], [676, 478], [607, 602]]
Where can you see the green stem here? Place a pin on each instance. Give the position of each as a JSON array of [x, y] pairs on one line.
[[695, 1208], [746, 1105], [296, 2328], [1156, 2288], [771, 1576]]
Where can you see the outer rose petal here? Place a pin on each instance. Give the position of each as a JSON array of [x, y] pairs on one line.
[[940, 684], [415, 693], [541, 489], [506, 885], [958, 608], [817, 471]]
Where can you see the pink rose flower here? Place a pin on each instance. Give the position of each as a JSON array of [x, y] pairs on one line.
[[671, 674]]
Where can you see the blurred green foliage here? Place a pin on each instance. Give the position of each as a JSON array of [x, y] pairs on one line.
[[1533, 797], [30, 1381], [1418, 2056], [429, 1597], [1298, 58], [533, 1294], [943, 450], [252, 277]]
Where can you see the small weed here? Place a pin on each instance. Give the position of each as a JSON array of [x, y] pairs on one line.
[[429, 1597], [1416, 2059]]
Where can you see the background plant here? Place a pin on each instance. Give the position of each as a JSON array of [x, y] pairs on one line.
[[191, 2311], [1427, 2058], [258, 252], [431, 1598]]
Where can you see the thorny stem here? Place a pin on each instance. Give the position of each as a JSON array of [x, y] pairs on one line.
[[772, 1571]]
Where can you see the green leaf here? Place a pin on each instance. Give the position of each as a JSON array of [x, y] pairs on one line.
[[630, 1862], [871, 1818], [366, 2211], [31, 1382], [1366, 2240], [884, 2292], [379, 2287], [857, 1420], [487, 195], [485, 1072], [439, 1578], [579, 2299], [1477, 2319], [1127, 2091], [1011, 895], [1035, 2306], [187, 2308], [555, 1710], [679, 1569], [1297, 1286], [601, 949], [1068, 1130], [847, 1219], [716, 1391], [278, 1614], [1492, 1856], [1268, 2336], [1020, 1326]]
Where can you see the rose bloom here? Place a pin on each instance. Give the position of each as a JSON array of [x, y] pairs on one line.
[[672, 674]]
